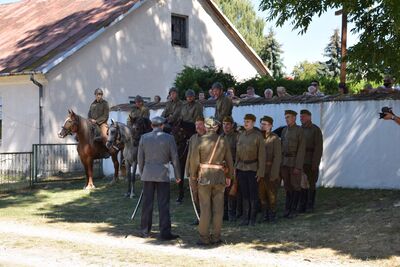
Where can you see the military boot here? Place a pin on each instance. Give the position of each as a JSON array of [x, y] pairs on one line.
[[288, 204], [266, 216], [303, 200], [272, 216], [295, 203], [311, 200], [253, 212], [245, 216]]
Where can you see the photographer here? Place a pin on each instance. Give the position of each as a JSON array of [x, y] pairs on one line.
[[389, 115]]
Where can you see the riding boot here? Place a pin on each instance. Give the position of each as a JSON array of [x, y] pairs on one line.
[[253, 212], [272, 216], [288, 204], [246, 209], [303, 200], [295, 203], [266, 216], [311, 199]]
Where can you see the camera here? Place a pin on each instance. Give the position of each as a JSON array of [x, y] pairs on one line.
[[385, 110]]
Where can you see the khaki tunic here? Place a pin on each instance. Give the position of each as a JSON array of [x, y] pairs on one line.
[[314, 146], [273, 156], [250, 152], [99, 111], [191, 111], [223, 108], [193, 142], [172, 110], [142, 112], [293, 147], [202, 154], [232, 138]]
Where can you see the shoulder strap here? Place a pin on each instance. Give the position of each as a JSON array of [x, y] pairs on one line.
[[213, 152]]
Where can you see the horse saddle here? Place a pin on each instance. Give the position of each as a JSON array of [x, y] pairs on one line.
[[96, 133]]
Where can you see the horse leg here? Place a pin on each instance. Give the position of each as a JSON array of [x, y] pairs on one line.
[[90, 184], [114, 158], [133, 177], [128, 178]]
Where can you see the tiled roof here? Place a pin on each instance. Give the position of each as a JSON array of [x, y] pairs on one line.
[[35, 31]]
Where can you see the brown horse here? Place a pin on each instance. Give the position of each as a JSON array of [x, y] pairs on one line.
[[88, 149]]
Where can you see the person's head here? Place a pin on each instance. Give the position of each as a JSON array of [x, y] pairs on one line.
[[290, 117], [227, 124], [190, 95], [202, 96], [388, 82], [342, 88], [268, 93], [266, 123], [315, 83], [200, 126], [249, 121], [157, 122], [305, 116], [312, 90], [230, 92], [250, 91], [139, 101], [217, 89], [368, 87], [99, 94], [281, 91], [173, 94], [157, 99], [211, 124]]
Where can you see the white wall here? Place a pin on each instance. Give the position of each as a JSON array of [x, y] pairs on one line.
[[20, 114], [360, 151], [135, 56]]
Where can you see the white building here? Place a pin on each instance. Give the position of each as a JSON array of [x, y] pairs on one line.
[[54, 53]]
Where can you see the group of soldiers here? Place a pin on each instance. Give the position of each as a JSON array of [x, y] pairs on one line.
[[232, 173]]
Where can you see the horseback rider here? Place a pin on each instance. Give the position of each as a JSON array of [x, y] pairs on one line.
[[191, 109], [173, 107], [98, 115], [139, 111]]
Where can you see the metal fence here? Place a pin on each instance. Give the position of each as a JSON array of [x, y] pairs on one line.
[[15, 170]]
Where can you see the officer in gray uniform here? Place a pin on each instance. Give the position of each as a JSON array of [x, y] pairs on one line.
[[156, 150]]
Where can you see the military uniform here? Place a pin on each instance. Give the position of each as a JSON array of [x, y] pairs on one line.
[[142, 112], [268, 187], [223, 108], [156, 150], [190, 111], [211, 180], [250, 164], [293, 151], [172, 110], [312, 159], [99, 111]]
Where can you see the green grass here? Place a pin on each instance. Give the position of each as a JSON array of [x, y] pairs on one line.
[[358, 224]]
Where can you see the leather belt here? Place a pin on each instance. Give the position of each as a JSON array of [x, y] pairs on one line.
[[289, 155], [211, 166], [249, 161], [310, 149], [268, 163]]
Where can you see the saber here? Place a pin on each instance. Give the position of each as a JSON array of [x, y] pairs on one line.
[[194, 205], [137, 205]]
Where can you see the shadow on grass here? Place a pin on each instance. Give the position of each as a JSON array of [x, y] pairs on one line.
[[360, 223]]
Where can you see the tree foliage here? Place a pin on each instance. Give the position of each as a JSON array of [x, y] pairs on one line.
[[306, 70], [271, 55], [331, 67], [242, 14], [376, 22]]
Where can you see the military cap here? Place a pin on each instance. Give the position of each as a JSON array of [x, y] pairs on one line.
[[217, 85], [190, 92], [268, 119], [250, 117], [291, 112], [200, 118], [157, 120], [211, 123], [98, 91], [138, 98], [173, 89], [305, 111], [228, 119]]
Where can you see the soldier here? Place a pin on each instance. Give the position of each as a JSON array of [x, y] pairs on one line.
[[140, 111], [223, 106], [98, 114], [250, 167], [293, 150], [193, 143], [191, 109], [173, 107], [268, 187], [156, 150], [207, 167], [312, 158], [230, 202]]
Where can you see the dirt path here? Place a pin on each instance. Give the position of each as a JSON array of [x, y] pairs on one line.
[[45, 245]]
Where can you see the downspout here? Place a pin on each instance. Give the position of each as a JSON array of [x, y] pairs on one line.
[[38, 84]]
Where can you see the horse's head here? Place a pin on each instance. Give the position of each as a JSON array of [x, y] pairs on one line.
[[139, 127], [70, 125], [182, 131], [114, 135]]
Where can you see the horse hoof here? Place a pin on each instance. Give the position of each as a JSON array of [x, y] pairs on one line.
[[89, 187], [132, 195]]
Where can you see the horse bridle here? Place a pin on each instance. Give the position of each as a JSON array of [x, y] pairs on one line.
[[74, 123], [117, 139]]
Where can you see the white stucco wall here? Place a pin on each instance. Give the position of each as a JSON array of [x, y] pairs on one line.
[[20, 114], [135, 56], [360, 151]]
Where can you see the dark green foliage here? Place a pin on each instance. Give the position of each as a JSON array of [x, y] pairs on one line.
[[331, 67], [271, 55]]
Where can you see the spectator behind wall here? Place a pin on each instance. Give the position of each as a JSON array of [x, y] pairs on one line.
[[230, 92], [281, 91], [268, 93], [250, 93], [342, 89]]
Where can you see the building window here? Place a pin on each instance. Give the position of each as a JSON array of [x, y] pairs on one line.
[[146, 99], [179, 30]]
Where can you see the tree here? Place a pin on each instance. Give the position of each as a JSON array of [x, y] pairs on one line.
[[331, 67], [376, 22], [306, 70], [242, 14], [271, 55]]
